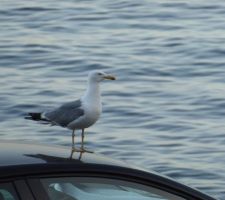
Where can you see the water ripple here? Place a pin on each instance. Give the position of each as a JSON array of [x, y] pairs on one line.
[[166, 109]]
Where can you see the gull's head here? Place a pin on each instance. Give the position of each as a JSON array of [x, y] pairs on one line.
[[98, 76]]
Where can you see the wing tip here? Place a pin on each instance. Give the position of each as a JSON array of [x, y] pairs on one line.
[[34, 116]]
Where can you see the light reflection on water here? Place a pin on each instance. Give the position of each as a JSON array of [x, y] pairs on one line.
[[165, 111]]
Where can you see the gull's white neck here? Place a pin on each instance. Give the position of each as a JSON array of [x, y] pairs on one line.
[[92, 94]]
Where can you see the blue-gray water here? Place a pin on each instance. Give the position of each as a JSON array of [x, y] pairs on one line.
[[165, 112]]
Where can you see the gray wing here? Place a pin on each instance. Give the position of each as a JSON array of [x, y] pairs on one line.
[[66, 113]]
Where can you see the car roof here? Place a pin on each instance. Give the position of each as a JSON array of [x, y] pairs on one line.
[[30, 159], [21, 153], [19, 159]]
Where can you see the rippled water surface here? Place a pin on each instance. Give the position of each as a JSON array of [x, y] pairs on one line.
[[166, 111]]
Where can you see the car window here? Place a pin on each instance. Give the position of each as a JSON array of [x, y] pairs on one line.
[[7, 192], [88, 188]]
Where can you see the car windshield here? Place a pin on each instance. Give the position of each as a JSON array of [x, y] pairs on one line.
[[88, 188]]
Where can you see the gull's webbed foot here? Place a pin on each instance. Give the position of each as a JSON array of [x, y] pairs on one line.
[[85, 150]]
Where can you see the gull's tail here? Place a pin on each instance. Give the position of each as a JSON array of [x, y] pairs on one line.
[[36, 117]]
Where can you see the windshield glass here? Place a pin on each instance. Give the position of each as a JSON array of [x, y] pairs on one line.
[[89, 188]]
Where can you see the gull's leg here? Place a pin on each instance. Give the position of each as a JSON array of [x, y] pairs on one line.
[[73, 137], [82, 140], [73, 142], [82, 143]]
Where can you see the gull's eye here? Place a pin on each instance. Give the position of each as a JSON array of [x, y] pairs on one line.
[[99, 74]]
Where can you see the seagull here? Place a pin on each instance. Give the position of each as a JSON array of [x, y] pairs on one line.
[[78, 114]]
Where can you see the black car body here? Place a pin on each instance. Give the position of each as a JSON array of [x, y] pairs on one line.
[[37, 172]]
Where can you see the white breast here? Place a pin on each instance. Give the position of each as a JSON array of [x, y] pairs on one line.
[[92, 112], [91, 104], [91, 115]]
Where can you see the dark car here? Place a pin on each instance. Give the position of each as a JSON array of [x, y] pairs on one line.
[[36, 172]]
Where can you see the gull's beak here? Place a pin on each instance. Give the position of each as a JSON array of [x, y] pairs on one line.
[[109, 77]]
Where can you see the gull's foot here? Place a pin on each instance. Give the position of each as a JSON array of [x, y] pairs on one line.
[[85, 150], [73, 150]]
